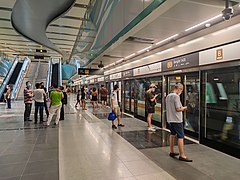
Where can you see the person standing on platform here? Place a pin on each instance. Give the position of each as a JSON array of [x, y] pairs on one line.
[[8, 97], [103, 93], [150, 99], [94, 99], [28, 94], [55, 106], [45, 98], [83, 98], [115, 107], [78, 98], [38, 95], [175, 120], [64, 102]]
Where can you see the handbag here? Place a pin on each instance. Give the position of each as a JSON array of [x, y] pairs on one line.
[[112, 116]]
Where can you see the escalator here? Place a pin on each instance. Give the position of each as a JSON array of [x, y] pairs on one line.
[[55, 74], [13, 78]]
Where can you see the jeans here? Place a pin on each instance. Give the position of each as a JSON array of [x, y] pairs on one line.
[[27, 112], [9, 103], [40, 106], [45, 106]]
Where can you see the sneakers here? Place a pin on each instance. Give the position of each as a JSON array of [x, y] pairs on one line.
[[151, 129], [121, 125], [114, 127]]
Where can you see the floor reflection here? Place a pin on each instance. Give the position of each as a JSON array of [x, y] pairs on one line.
[[144, 139]]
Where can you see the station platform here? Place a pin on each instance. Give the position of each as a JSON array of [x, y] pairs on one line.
[[84, 147]]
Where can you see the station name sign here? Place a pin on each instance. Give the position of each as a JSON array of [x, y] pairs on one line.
[[87, 71], [191, 60]]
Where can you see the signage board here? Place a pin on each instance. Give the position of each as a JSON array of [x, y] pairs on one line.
[[116, 76], [106, 78], [149, 69], [128, 73], [191, 60], [219, 54], [87, 71]]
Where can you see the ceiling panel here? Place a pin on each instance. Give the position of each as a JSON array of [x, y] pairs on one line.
[[73, 38], [82, 2], [7, 3], [77, 12], [68, 22], [62, 30], [5, 14], [5, 24]]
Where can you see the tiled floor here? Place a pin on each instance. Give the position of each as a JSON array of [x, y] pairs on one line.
[[84, 147]]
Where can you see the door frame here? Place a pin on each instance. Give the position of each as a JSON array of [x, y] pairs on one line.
[[183, 80]]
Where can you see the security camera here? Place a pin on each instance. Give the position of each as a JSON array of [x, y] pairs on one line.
[[101, 65], [227, 13]]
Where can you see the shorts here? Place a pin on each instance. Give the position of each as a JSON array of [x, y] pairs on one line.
[[103, 98], [117, 111], [94, 98], [177, 129], [151, 110]]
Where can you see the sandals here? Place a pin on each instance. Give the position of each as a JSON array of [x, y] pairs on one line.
[[173, 154], [185, 159]]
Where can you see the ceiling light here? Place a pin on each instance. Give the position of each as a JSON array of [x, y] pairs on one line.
[[119, 61], [191, 42], [175, 35], [145, 49], [130, 56], [136, 61], [204, 22], [165, 51]]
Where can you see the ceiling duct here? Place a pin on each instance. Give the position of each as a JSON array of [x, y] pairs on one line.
[[140, 40]]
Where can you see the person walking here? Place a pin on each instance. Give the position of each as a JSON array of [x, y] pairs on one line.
[[150, 99], [78, 98], [94, 99], [64, 102], [38, 95], [83, 98], [8, 96], [115, 107], [103, 93], [175, 120], [28, 94], [55, 105]]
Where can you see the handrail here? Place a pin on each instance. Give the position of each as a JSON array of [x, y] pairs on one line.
[[48, 84]]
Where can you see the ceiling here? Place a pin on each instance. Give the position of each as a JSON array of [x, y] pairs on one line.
[[175, 19], [172, 17], [62, 32]]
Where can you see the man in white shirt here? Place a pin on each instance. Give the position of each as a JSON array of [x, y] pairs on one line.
[[39, 95], [115, 106], [175, 120]]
